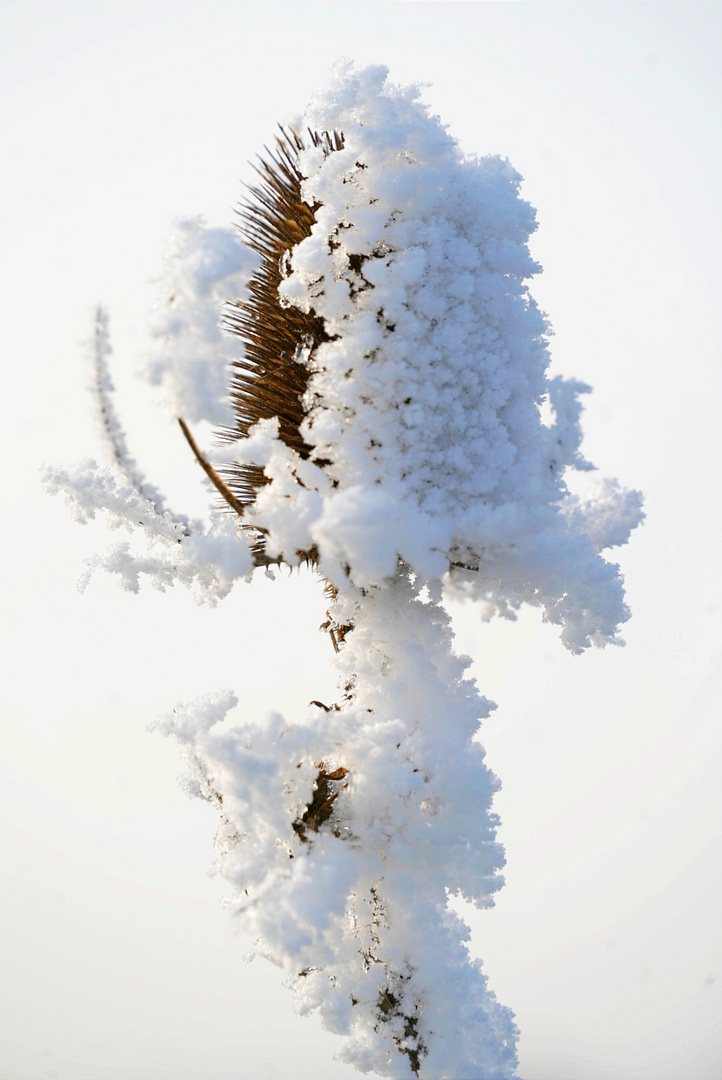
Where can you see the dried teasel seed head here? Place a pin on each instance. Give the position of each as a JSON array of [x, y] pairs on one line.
[[270, 379]]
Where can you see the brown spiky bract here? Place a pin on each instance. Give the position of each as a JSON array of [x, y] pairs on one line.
[[271, 378]]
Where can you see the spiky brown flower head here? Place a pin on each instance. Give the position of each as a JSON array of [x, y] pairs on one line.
[[270, 379]]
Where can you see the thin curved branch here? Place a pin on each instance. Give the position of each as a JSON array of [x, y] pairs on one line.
[[218, 483]]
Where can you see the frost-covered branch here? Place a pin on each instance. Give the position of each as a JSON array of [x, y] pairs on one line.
[[109, 425], [172, 548], [207, 559]]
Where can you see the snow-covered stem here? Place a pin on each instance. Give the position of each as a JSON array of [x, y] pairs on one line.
[[345, 830], [109, 424]]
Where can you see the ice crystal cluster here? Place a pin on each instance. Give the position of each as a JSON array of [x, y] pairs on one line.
[[413, 461]]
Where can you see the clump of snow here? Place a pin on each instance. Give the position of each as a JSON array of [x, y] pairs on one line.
[[203, 269], [424, 405], [356, 911]]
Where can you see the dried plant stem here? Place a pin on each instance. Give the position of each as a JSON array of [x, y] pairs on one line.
[[217, 481]]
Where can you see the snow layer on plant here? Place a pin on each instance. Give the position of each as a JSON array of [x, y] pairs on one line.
[[356, 909], [425, 401], [204, 268]]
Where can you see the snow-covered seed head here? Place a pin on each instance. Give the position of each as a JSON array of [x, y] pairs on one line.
[[388, 401]]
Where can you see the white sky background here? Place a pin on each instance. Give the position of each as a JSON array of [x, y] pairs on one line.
[[117, 961]]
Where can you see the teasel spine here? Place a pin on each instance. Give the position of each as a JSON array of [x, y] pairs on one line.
[[271, 378]]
